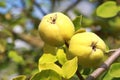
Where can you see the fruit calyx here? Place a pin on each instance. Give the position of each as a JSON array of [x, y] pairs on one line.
[[93, 45], [53, 19]]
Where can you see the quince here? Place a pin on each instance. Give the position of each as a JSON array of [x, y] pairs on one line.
[[89, 48], [56, 29]]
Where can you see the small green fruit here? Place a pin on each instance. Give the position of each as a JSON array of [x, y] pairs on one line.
[[88, 47], [56, 28]]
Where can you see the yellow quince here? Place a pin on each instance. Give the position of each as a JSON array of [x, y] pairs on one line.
[[89, 48], [56, 29]]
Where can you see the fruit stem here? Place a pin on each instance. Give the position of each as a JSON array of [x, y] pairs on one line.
[[79, 75], [66, 43]]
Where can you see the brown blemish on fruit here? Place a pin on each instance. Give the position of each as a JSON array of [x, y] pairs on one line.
[[53, 19], [93, 45]]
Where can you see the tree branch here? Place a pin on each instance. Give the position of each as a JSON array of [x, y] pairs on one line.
[[35, 41], [71, 6], [39, 7], [52, 5], [23, 3], [32, 40], [104, 66]]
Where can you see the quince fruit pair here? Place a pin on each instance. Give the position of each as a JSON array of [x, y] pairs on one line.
[[57, 29]]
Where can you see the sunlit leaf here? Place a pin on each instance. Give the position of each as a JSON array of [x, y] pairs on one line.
[[51, 66], [107, 9], [70, 67], [21, 77], [15, 57], [77, 22], [61, 56], [115, 70], [46, 75], [47, 58]]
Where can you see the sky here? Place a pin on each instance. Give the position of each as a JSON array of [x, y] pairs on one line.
[[9, 5], [16, 7], [85, 7]]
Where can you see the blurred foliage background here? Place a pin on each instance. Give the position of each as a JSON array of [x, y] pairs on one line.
[[20, 43]]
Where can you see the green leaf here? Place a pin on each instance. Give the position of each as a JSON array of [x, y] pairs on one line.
[[5, 33], [61, 56], [116, 79], [119, 8], [47, 58], [15, 57], [115, 23], [70, 67], [115, 70], [77, 22], [107, 9], [46, 75], [87, 22], [86, 71], [107, 77], [21, 77], [2, 45], [51, 66], [28, 4], [2, 4]]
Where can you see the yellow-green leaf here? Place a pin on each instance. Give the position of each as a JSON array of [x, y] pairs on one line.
[[51, 66], [15, 57], [115, 70], [20, 77], [70, 67], [47, 58], [107, 77], [107, 9], [61, 56], [46, 75], [77, 22]]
